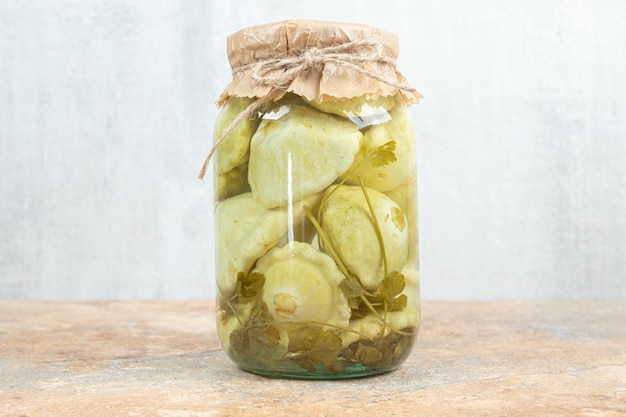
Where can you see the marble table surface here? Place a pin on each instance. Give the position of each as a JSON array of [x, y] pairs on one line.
[[162, 358]]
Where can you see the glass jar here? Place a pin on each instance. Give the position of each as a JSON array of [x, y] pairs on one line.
[[315, 208]]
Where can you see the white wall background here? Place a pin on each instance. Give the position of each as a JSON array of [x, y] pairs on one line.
[[106, 113]]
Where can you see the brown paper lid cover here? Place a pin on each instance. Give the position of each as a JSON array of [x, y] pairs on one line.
[[328, 77]]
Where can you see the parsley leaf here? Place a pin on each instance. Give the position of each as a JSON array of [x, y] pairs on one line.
[[367, 355], [392, 286], [389, 351], [256, 339], [249, 286], [398, 303], [313, 346], [383, 155], [390, 291]]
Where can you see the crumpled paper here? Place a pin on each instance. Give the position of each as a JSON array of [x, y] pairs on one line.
[[327, 81]]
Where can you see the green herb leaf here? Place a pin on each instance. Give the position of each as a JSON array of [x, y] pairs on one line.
[[267, 335], [384, 154], [367, 355], [389, 350], [256, 334], [392, 286], [397, 217], [239, 340], [398, 303], [301, 337], [313, 346], [304, 362], [249, 286], [361, 310]]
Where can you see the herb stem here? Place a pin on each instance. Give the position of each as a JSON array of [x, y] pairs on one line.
[[383, 321], [334, 326], [229, 303], [327, 244], [376, 225]]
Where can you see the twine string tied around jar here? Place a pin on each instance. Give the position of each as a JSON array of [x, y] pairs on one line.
[[353, 55]]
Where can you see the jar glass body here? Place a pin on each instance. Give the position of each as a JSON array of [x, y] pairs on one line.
[[316, 237]]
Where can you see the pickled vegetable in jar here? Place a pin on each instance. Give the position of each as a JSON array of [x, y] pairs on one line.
[[315, 203]]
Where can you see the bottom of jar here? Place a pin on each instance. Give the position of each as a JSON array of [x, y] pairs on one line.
[[356, 371]]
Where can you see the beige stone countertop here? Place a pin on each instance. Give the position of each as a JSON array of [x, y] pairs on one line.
[[521, 358]]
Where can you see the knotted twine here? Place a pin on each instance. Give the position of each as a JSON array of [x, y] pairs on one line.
[[280, 71]]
